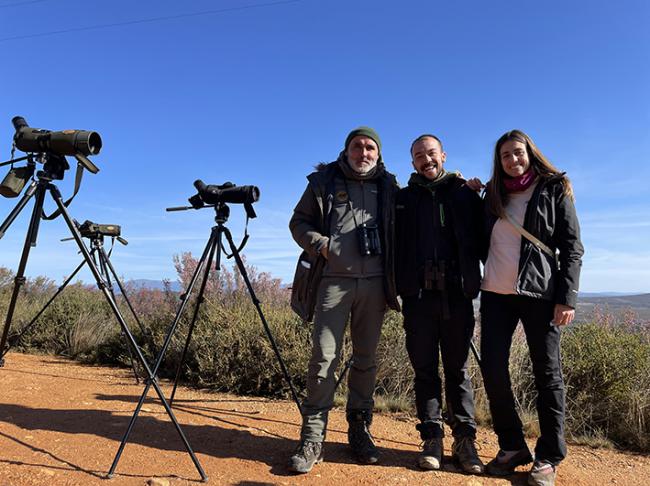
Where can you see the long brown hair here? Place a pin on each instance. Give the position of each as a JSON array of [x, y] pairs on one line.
[[496, 195]]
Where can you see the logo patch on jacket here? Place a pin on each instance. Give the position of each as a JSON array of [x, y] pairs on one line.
[[342, 196]]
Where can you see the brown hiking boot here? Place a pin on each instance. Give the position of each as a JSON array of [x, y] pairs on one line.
[[306, 455], [463, 452]]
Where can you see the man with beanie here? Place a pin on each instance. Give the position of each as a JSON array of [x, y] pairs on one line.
[[344, 222], [437, 253]]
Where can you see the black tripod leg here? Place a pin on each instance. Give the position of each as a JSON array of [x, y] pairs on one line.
[[103, 270], [199, 301], [147, 335], [256, 302], [346, 368], [15, 339], [151, 380], [30, 240], [18, 208], [162, 352]]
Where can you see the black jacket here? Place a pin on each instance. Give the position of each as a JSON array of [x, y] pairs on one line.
[[444, 226], [551, 217], [315, 206]]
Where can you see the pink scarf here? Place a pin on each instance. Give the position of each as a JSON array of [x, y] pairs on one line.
[[520, 183]]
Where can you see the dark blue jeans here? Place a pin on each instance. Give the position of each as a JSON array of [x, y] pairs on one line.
[[427, 336], [500, 315]]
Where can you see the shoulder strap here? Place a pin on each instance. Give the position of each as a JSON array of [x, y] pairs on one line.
[[533, 239], [77, 184]]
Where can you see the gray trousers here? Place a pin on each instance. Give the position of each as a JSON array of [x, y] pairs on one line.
[[363, 300]]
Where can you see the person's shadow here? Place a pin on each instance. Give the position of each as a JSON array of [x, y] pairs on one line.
[[229, 435]]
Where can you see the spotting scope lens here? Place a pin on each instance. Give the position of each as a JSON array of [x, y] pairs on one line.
[[64, 142]]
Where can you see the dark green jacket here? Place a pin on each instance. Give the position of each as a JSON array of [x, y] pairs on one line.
[[310, 228]]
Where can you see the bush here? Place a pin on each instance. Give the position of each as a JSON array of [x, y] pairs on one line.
[[607, 373]]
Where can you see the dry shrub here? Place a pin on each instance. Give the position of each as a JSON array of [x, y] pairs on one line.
[[607, 372], [86, 334]]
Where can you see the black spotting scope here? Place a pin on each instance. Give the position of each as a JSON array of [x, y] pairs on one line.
[[78, 143]]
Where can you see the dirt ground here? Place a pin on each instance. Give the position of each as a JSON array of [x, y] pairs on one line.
[[61, 424]]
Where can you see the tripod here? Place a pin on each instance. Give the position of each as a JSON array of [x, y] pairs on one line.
[[215, 247], [102, 261], [212, 248], [54, 167]]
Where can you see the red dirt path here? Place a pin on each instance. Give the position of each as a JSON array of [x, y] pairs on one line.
[[61, 424]]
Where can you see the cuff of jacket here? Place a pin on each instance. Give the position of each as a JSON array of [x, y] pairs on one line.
[[322, 241], [569, 298]]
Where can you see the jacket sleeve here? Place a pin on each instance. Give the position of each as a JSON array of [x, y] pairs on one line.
[[304, 224], [467, 208], [566, 236]]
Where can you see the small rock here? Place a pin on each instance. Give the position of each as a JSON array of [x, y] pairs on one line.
[[47, 472], [157, 482]]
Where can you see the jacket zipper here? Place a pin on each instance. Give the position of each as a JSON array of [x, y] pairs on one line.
[[363, 206]]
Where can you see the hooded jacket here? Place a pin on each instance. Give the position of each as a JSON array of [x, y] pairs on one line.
[[551, 217], [320, 219]]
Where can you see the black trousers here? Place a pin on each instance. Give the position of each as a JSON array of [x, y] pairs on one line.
[[500, 315], [428, 335]]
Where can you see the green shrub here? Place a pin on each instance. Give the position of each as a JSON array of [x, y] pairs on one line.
[[607, 373]]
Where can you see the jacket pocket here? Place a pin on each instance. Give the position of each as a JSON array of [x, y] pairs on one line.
[[308, 273]]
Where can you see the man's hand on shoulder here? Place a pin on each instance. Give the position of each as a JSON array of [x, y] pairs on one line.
[[474, 184]]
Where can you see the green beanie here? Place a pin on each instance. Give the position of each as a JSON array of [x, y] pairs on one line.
[[363, 131]]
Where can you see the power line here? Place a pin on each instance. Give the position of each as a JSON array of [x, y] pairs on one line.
[[144, 21], [17, 4]]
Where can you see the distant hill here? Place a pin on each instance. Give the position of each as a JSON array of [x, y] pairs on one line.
[[154, 284], [613, 302], [616, 304]]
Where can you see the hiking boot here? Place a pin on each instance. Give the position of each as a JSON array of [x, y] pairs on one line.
[[305, 456], [463, 452], [359, 438], [431, 456], [542, 474], [506, 461]]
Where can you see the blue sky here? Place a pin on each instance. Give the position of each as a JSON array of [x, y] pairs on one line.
[[257, 92]]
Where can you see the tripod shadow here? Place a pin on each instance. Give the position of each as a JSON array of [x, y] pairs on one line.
[[151, 432], [225, 438], [229, 435], [59, 459]]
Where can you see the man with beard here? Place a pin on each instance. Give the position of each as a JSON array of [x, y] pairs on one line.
[[344, 223], [438, 230]]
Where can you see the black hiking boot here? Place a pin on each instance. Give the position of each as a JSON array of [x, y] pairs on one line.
[[431, 456], [463, 452], [359, 438], [506, 462], [542, 474], [306, 455]]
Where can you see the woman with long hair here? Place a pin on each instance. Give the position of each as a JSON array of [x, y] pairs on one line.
[[531, 275]]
